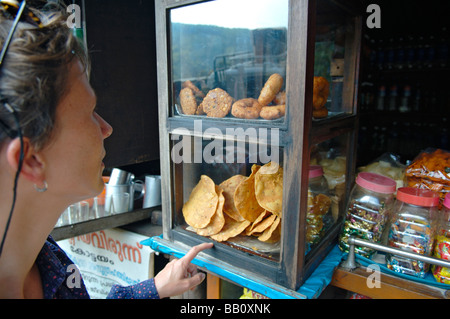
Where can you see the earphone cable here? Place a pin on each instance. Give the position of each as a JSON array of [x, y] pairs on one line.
[[16, 179]]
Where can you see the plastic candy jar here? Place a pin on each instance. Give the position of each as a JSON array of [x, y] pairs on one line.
[[442, 243], [319, 203], [369, 204], [412, 228]]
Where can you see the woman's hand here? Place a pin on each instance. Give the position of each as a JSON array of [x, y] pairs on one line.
[[180, 275]]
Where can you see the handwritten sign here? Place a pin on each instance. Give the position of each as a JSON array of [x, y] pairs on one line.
[[109, 257]]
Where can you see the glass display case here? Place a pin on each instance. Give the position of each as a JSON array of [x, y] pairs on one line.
[[252, 94]]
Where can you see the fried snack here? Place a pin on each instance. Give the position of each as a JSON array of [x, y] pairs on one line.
[[217, 221], [261, 216], [272, 112], [270, 89], [322, 204], [272, 234], [320, 92], [434, 166], [202, 203], [334, 172], [245, 199], [269, 187], [314, 221], [280, 98], [231, 229], [430, 170], [424, 183], [229, 187], [200, 110], [246, 109], [217, 103], [188, 101], [260, 226], [197, 92], [320, 113]]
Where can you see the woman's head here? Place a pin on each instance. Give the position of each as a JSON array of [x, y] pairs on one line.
[[33, 77], [44, 78]]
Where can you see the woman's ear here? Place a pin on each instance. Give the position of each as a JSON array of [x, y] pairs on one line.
[[32, 166]]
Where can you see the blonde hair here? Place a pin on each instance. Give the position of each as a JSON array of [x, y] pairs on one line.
[[33, 77]]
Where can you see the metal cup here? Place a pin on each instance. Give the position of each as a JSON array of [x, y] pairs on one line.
[[120, 177], [152, 195], [135, 189], [117, 203]]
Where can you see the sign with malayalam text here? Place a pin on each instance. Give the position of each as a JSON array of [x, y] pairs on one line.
[[109, 257]]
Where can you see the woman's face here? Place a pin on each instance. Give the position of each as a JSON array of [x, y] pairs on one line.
[[73, 158]]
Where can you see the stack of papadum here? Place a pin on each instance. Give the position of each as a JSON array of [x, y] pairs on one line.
[[241, 205]]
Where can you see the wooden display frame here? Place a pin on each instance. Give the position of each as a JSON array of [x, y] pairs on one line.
[[298, 133]]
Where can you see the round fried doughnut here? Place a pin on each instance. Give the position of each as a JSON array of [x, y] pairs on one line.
[[200, 110], [273, 112], [217, 103], [246, 109], [280, 98], [196, 90], [320, 113], [270, 89], [321, 91], [188, 101], [319, 102], [320, 84]]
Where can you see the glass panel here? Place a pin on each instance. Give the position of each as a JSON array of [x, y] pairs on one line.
[[222, 193], [229, 49], [333, 56], [326, 189]]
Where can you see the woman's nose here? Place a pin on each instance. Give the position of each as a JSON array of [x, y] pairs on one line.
[[106, 128]]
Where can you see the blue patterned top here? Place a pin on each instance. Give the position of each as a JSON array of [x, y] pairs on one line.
[[58, 280]]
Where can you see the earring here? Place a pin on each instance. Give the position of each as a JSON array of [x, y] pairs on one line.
[[43, 189]]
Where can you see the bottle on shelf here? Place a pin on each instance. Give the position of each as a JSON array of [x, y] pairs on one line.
[[417, 100], [405, 101], [442, 55], [390, 54], [430, 52], [400, 54], [420, 53], [380, 55], [381, 98], [393, 95], [410, 52]]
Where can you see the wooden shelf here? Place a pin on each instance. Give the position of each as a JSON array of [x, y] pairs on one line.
[[113, 221], [390, 287]]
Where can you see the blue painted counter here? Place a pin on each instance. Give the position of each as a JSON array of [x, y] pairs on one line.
[[311, 289]]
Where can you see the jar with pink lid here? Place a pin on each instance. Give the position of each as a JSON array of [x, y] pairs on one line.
[[442, 242], [318, 217], [412, 228], [368, 208]]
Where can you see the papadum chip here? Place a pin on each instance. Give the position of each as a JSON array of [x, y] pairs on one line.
[[217, 221], [202, 203], [269, 187], [261, 226], [245, 199], [229, 187], [272, 234], [231, 229]]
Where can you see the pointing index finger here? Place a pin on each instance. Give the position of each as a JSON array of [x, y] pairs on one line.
[[194, 251]]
